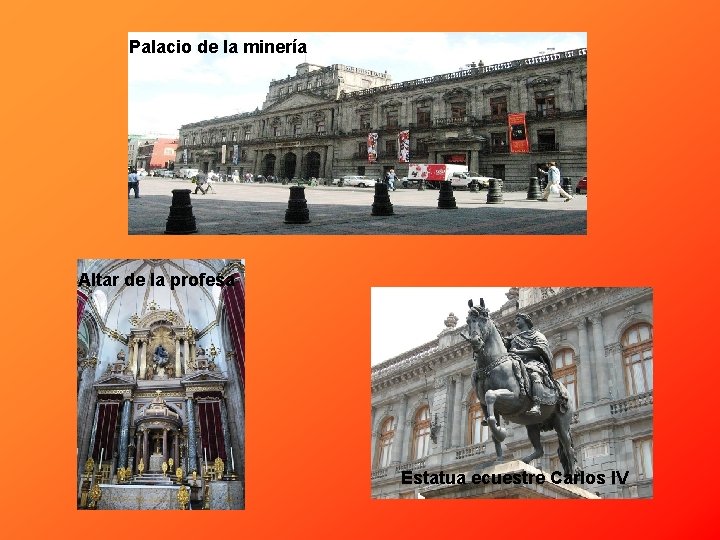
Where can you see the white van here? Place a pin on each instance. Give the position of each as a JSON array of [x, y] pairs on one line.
[[187, 173]]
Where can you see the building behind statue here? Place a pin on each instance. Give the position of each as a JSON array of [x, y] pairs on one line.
[[316, 122], [425, 415]]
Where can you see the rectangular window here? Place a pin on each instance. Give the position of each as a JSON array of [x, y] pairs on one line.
[[185, 141], [276, 131], [643, 458], [297, 129], [498, 107], [499, 172], [458, 111], [320, 127], [224, 137], [391, 147], [362, 151], [364, 121], [545, 103], [247, 135], [498, 141], [421, 148], [546, 140], [392, 119], [423, 116], [234, 136], [361, 169], [299, 87]]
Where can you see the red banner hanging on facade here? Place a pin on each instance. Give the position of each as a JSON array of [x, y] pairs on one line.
[[518, 133], [372, 147], [404, 146]]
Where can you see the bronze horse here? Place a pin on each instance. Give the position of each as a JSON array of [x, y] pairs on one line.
[[495, 379]]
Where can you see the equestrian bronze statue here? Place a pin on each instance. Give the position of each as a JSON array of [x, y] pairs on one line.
[[513, 379]]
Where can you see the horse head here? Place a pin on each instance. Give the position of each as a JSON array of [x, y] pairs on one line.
[[484, 336]]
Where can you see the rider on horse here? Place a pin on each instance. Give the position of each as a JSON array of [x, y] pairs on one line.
[[533, 349]]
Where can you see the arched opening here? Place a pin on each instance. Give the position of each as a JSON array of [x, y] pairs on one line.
[[312, 165], [268, 165], [289, 164]]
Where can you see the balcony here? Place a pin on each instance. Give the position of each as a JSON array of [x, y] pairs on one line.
[[545, 147], [360, 155], [457, 121], [633, 402], [420, 125], [390, 127], [500, 149], [494, 119], [379, 473], [411, 465], [472, 450]]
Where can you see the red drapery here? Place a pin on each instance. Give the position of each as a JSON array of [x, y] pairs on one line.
[[105, 431], [211, 433], [234, 298], [81, 300]]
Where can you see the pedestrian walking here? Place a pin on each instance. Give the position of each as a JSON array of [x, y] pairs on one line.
[[201, 184], [553, 185], [133, 182], [390, 178]]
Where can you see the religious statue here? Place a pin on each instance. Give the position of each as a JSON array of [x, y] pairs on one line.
[[121, 356], [199, 351], [161, 356]]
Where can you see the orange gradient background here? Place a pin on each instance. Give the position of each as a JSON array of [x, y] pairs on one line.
[[652, 122]]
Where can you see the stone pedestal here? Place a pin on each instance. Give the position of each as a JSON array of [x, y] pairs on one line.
[[156, 461], [116, 497], [226, 495], [469, 490]]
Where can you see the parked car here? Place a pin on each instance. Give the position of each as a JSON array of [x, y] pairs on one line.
[[359, 181], [581, 186], [157, 172], [167, 174], [141, 172]]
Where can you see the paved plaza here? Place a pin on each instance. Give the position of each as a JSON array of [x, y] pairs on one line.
[[259, 209]]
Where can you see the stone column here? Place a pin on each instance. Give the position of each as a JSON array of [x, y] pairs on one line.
[[457, 410], [146, 449], [134, 357], [186, 349], [178, 364], [192, 451], [165, 444], [138, 448], [585, 373], [373, 435], [143, 358], [94, 430], [124, 433], [176, 449], [603, 391], [226, 433], [398, 450], [84, 405]]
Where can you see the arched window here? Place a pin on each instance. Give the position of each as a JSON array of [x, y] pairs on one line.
[[387, 434], [477, 433], [565, 371], [421, 433], [637, 344]]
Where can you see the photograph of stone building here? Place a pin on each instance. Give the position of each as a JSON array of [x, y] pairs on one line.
[[160, 384], [425, 415], [314, 123]]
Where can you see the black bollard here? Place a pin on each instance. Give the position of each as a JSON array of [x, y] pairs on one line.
[[567, 185], [446, 200], [494, 195], [534, 192], [297, 211], [421, 185], [381, 204], [181, 219]]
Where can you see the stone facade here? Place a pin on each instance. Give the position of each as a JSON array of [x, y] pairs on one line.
[[591, 330], [315, 123]]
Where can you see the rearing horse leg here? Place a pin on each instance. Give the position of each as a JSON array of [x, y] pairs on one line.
[[498, 444], [491, 396], [533, 432], [566, 451]]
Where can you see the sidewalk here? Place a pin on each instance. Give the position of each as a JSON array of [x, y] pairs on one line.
[[259, 209]]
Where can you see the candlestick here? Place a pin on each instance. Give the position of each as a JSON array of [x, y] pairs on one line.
[[205, 453], [102, 451], [232, 459]]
